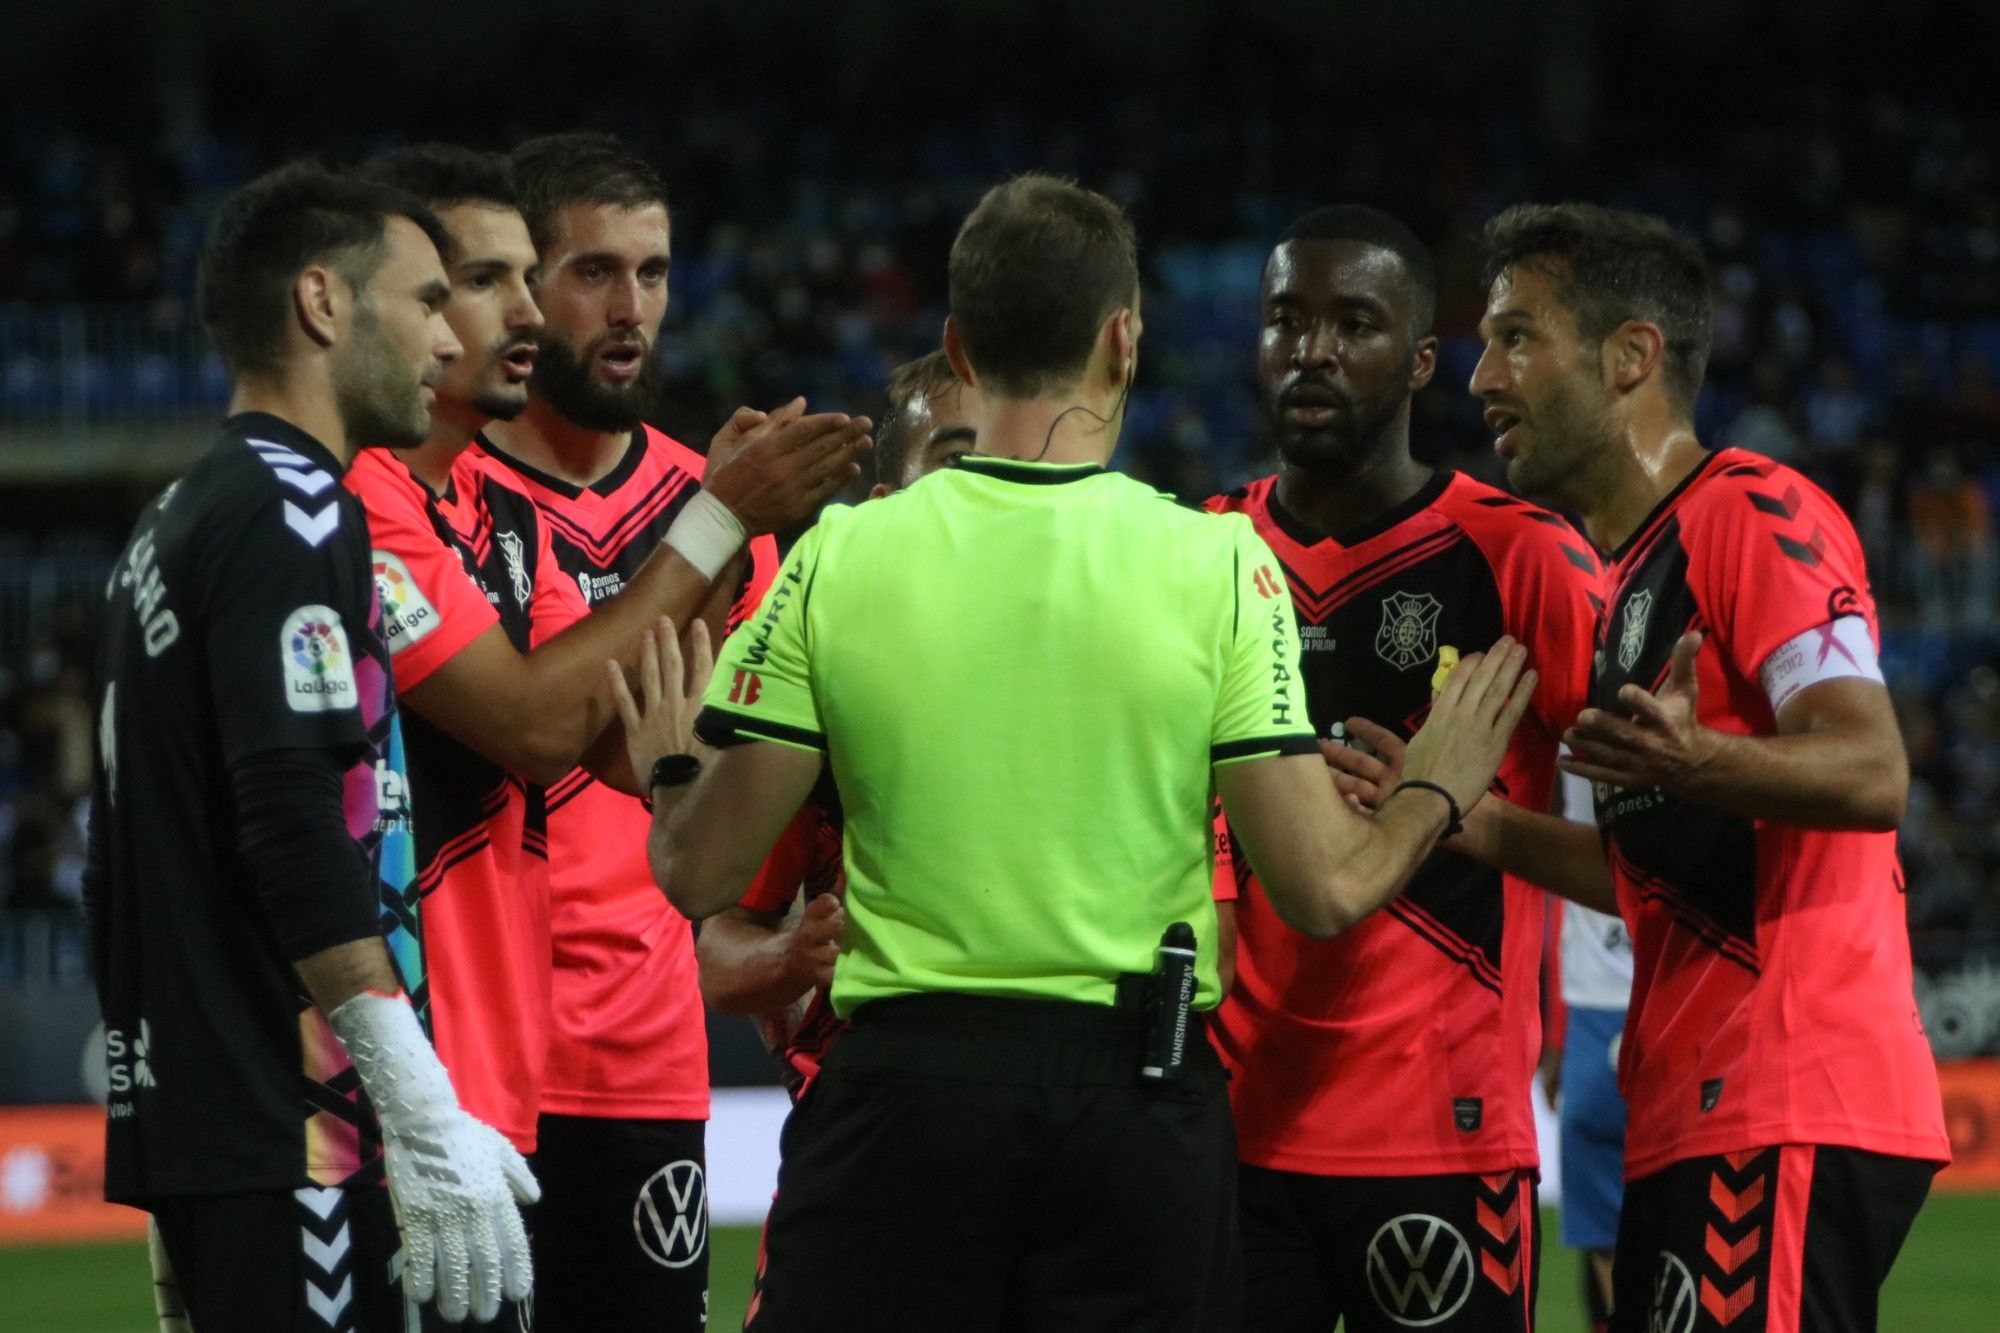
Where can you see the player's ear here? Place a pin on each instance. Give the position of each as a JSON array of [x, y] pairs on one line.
[[1634, 351], [954, 352], [1423, 363], [319, 298]]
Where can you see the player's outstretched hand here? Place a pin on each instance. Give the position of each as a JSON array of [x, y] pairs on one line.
[[1659, 745], [455, 1182], [1365, 776], [812, 943], [660, 721], [1462, 742], [775, 472]]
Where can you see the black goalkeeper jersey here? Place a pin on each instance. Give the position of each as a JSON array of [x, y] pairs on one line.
[[242, 617]]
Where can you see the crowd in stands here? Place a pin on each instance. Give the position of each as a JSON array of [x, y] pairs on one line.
[[1855, 241]]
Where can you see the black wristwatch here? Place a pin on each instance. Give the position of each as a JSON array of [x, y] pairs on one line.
[[674, 770]]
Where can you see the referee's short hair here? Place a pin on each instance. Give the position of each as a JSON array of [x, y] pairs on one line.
[[1609, 266], [271, 230], [1036, 270], [445, 175], [910, 385], [558, 171]]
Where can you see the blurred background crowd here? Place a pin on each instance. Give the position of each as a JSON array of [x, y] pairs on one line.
[[1841, 163]]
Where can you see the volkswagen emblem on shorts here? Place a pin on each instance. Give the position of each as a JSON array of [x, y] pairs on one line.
[[1632, 636], [670, 1217], [1409, 632], [1674, 1301], [1419, 1269]]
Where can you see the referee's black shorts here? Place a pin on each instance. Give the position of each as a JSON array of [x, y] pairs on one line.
[[967, 1163]]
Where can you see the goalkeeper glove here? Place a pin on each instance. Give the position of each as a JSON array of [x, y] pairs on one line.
[[453, 1180]]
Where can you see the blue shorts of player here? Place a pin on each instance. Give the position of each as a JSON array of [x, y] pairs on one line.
[[1593, 1130]]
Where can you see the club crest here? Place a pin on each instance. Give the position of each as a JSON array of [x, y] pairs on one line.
[[1632, 635], [1409, 629]]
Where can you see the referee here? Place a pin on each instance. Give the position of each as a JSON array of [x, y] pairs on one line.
[[1028, 673]]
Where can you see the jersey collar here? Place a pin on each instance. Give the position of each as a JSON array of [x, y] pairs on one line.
[[1659, 511], [1426, 495], [1031, 474], [606, 485]]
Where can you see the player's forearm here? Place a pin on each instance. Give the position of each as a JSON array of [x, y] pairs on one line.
[[1560, 855], [710, 838], [334, 976], [567, 704], [1826, 779], [746, 966], [610, 763], [1392, 846]]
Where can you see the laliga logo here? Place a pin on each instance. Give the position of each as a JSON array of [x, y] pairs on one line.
[[316, 648], [1673, 1297], [670, 1217], [1419, 1269]]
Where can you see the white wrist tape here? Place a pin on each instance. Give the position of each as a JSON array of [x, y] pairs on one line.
[[706, 534], [1839, 648], [394, 1059]]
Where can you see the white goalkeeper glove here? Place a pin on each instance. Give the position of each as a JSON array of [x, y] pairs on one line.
[[453, 1180]]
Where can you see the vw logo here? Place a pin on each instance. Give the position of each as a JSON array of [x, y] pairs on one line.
[[1674, 1299], [670, 1217], [1419, 1269]]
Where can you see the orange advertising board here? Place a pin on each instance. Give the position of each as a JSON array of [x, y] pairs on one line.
[[52, 1178], [1972, 1117]]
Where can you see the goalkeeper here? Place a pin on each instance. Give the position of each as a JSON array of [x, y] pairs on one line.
[[250, 846]]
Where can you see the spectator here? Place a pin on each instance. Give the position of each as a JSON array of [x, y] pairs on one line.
[[1952, 554]]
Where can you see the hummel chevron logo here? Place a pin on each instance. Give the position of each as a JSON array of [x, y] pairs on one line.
[[1731, 1205], [1500, 1226], [1724, 1309], [1778, 506], [315, 528], [1805, 552], [327, 1254], [312, 482], [277, 455], [322, 1202], [1729, 1257], [329, 1308]]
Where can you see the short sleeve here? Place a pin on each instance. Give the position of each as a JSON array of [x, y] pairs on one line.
[[758, 573], [762, 688], [431, 605], [1551, 596], [1225, 889], [1770, 558], [1260, 709], [283, 612]]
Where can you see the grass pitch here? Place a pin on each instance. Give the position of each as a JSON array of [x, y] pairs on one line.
[[1947, 1281]]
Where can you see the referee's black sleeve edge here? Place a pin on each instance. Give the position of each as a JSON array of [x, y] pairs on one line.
[[1260, 746], [720, 728]]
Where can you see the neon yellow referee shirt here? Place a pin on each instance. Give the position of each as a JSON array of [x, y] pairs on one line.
[[1021, 675]]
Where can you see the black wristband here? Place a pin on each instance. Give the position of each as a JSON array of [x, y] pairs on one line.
[[1456, 825], [673, 770]]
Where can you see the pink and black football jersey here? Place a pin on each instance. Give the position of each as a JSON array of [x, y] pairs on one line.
[[1771, 997], [1404, 1045], [630, 1040]]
